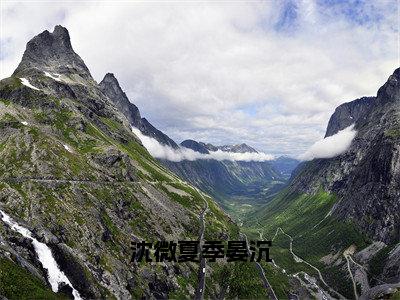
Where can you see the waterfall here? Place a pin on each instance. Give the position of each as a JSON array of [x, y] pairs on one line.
[[55, 275]]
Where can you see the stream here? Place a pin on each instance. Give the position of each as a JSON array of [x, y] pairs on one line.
[[54, 275]]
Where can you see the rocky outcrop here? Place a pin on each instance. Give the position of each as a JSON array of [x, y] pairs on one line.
[[348, 114], [111, 88], [52, 52], [147, 129], [366, 177]]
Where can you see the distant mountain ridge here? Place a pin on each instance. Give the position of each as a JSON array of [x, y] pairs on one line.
[[207, 147], [226, 179], [221, 179]]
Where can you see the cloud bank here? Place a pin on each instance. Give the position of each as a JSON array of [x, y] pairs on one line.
[[160, 151], [331, 146], [265, 73]]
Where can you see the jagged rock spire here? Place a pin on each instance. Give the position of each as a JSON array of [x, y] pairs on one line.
[[111, 88], [52, 52]]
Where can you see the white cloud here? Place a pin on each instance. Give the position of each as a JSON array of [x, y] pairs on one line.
[[160, 151], [206, 63], [331, 146]]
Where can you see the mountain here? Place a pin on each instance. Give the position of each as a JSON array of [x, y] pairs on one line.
[[110, 87], [52, 52], [196, 146], [341, 214], [348, 114], [240, 148], [77, 187], [249, 182]]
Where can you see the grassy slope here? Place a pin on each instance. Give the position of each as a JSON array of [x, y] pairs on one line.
[[17, 283], [306, 218]]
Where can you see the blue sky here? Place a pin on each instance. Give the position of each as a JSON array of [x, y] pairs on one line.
[[268, 73]]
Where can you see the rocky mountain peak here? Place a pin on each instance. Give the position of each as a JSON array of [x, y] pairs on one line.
[[110, 78], [239, 148], [356, 112], [110, 86], [390, 91], [349, 113], [51, 52]]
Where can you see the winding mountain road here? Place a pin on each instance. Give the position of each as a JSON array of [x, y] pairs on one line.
[[199, 294], [368, 292], [267, 285], [346, 256], [299, 259]]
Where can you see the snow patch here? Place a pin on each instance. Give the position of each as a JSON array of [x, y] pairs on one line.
[[26, 82], [56, 76], [55, 275], [68, 148]]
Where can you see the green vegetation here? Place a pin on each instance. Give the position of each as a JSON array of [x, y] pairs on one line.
[[377, 263], [6, 102], [10, 84], [17, 283], [278, 280], [245, 281], [395, 296], [315, 233], [9, 120], [112, 124], [393, 133], [184, 283], [97, 209]]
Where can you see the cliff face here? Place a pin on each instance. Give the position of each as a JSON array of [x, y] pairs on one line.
[[348, 114], [52, 52], [111, 88], [367, 177]]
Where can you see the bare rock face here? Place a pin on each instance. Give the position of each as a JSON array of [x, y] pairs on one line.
[[111, 88], [367, 177], [348, 114], [52, 52]]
